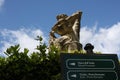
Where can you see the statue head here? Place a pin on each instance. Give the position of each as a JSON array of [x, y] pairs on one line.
[[61, 17]]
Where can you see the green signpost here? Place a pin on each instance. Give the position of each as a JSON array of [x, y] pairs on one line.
[[90, 67]]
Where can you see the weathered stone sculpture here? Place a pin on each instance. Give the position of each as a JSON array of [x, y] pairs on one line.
[[68, 27]]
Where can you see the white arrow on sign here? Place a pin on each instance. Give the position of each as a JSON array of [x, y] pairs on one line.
[[74, 75], [73, 64]]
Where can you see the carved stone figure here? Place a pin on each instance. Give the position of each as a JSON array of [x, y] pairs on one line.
[[68, 29]]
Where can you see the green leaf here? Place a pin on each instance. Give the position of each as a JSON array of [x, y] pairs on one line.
[[26, 51]]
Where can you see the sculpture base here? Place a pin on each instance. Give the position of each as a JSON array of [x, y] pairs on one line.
[[74, 46]]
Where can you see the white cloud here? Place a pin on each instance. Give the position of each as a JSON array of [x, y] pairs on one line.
[[24, 37], [105, 40], [1, 3]]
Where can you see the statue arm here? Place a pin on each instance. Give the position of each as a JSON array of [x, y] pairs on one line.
[[76, 29], [74, 16], [52, 38], [52, 34], [75, 21]]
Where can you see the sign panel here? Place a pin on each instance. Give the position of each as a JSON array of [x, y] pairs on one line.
[[90, 67], [90, 64]]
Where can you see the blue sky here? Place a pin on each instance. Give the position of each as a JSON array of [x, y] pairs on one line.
[[17, 13], [22, 20]]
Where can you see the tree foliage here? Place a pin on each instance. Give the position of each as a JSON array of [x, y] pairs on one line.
[[40, 65]]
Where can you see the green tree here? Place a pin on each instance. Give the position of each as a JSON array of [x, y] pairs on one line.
[[40, 65]]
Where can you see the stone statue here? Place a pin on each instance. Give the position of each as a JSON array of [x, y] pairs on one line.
[[68, 29]]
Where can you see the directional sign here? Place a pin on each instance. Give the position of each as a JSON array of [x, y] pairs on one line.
[[91, 75], [90, 67], [90, 63]]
